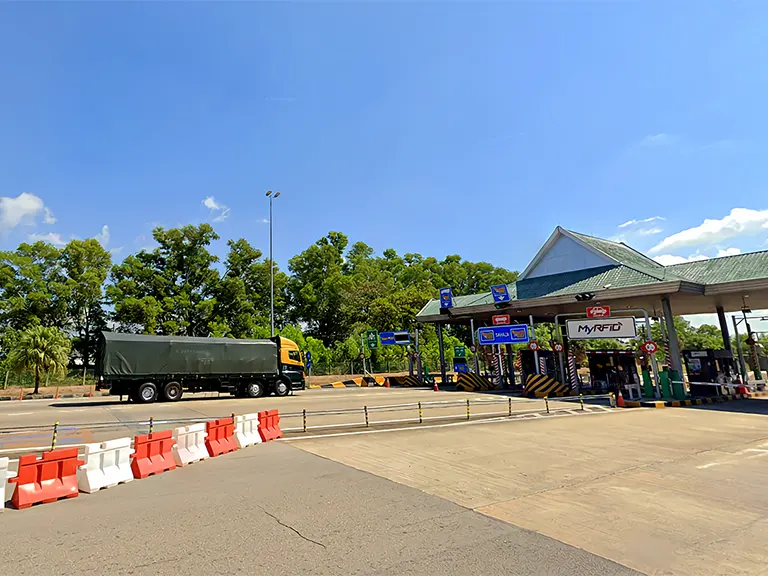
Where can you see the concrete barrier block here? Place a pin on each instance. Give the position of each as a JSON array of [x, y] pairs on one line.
[[190, 444], [247, 430]]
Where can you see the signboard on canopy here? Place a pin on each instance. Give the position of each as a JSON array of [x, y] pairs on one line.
[[596, 328], [515, 334]]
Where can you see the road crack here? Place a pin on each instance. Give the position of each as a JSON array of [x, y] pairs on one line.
[[291, 528]]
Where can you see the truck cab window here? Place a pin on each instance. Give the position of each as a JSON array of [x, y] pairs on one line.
[[294, 355]]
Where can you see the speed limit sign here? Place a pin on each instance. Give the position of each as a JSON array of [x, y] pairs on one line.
[[650, 347], [533, 346], [557, 347]]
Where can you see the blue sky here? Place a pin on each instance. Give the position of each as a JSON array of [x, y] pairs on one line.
[[466, 128]]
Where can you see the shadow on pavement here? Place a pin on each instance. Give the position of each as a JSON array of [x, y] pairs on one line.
[[747, 406]]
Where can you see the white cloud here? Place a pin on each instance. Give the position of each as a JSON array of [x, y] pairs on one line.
[[264, 220], [48, 217], [24, 209], [116, 251], [51, 238], [219, 211], [649, 231], [661, 139], [669, 259], [643, 221], [740, 222], [103, 236]]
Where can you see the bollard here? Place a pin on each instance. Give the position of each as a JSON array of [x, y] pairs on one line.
[[467, 408], [56, 395], [421, 416], [581, 401], [613, 400], [510, 406], [546, 401], [366, 415], [55, 431], [304, 418], [151, 424]]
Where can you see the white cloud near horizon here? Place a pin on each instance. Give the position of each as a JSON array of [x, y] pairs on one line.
[[51, 238], [660, 139], [103, 236], [23, 210], [669, 259], [219, 211], [641, 221], [728, 252], [740, 222], [649, 231]]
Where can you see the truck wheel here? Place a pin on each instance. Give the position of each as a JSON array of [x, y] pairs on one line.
[[282, 387], [172, 391], [254, 389], [146, 393]]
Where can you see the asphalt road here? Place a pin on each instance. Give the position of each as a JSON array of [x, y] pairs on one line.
[[274, 509], [26, 425]]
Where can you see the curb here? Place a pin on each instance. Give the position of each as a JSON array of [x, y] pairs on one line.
[[50, 396], [692, 402]]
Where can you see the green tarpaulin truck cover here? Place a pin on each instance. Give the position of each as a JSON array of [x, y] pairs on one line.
[[139, 355]]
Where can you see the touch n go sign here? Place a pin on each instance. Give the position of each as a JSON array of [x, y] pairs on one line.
[[595, 328]]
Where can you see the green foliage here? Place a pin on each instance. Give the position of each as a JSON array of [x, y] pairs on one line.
[[40, 350]]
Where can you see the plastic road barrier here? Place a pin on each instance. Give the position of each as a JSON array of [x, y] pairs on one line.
[[190, 444], [3, 479], [106, 465], [152, 454], [269, 425], [221, 436], [46, 479], [247, 430]]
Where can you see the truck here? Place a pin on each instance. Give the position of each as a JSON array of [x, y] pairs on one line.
[[149, 368]]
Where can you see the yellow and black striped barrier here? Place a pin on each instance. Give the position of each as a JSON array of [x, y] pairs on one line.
[[541, 385], [474, 382], [407, 381]]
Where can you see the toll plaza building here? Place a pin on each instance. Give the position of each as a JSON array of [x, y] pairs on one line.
[[573, 271]]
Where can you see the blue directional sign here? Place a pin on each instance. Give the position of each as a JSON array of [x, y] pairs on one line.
[[309, 364], [460, 368], [515, 334], [387, 338], [446, 298], [500, 293], [308, 355]]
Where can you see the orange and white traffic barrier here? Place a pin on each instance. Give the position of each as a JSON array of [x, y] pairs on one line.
[[4, 475], [152, 454], [45, 479], [106, 465], [190, 444], [247, 430]]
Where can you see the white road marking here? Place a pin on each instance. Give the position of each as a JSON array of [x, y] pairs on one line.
[[703, 466]]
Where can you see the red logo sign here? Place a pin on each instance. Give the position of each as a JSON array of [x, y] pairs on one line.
[[533, 346], [598, 311], [557, 347], [649, 347], [501, 320]]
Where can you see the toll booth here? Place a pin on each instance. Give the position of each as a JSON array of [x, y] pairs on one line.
[[715, 366], [547, 364], [614, 370]]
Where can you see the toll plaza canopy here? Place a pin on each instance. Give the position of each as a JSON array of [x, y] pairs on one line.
[[572, 271]]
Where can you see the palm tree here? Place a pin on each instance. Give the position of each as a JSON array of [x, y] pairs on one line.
[[40, 350]]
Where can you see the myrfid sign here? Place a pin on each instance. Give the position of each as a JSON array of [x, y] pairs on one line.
[[594, 328]]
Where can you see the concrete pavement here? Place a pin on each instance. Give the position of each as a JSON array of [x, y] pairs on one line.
[[274, 509], [675, 491]]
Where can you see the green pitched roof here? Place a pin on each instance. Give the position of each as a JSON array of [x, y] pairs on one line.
[[626, 255], [725, 269]]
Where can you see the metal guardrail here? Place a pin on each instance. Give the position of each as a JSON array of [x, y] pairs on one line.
[[366, 413]]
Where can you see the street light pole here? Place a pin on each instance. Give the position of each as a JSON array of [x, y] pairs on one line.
[[271, 268]]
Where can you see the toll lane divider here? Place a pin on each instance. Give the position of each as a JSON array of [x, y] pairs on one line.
[[221, 436], [190, 444], [685, 403], [360, 382], [106, 465], [47, 479], [152, 454], [541, 386], [473, 382], [247, 430]]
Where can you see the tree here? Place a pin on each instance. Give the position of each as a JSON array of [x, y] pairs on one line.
[[32, 289], [170, 290], [40, 350], [86, 265]]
